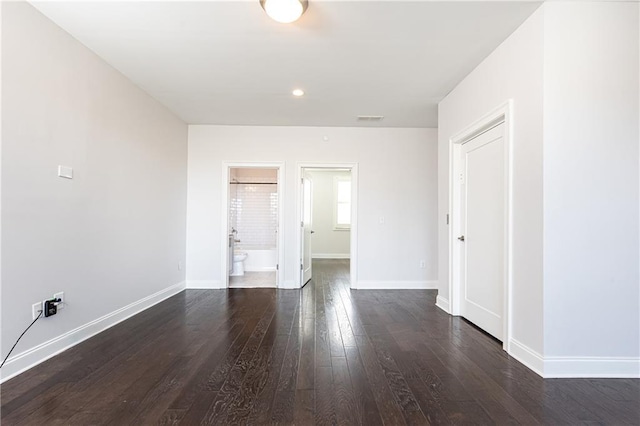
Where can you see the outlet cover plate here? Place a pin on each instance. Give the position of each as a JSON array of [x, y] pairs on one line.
[[61, 297], [35, 308], [65, 172]]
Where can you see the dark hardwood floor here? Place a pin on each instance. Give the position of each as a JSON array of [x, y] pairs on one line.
[[320, 355]]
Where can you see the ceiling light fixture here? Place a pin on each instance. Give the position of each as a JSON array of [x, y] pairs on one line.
[[298, 92], [284, 11]]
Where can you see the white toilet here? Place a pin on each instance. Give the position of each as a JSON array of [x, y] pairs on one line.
[[238, 263]]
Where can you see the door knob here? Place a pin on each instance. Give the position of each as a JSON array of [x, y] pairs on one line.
[[461, 238]]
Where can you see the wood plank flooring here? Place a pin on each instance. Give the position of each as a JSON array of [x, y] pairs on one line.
[[320, 355]]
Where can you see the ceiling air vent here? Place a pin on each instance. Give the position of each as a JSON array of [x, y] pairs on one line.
[[370, 117]]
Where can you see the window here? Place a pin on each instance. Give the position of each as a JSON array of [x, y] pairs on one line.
[[342, 202]]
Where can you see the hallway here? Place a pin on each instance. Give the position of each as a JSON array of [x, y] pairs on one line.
[[320, 355]]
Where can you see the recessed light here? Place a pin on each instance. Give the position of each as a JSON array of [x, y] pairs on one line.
[[298, 92]]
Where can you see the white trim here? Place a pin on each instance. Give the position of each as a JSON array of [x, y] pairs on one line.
[[442, 303], [330, 256], [261, 269], [574, 367], [502, 113], [289, 285], [251, 286], [204, 284], [397, 285], [31, 357], [1, 222], [527, 356], [594, 367], [226, 165], [336, 226], [353, 266]]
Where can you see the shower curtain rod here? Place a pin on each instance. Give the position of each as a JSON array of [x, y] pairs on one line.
[[253, 183]]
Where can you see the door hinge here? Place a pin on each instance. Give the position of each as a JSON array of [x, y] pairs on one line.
[[447, 218], [301, 267], [301, 224], [277, 267], [302, 180]]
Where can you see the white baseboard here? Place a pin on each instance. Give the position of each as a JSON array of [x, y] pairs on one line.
[[527, 356], [443, 304], [42, 352], [331, 256], [204, 285], [575, 367], [595, 367], [397, 285], [253, 286], [261, 269]]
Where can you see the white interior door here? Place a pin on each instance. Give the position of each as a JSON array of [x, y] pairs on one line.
[[483, 230], [306, 223]]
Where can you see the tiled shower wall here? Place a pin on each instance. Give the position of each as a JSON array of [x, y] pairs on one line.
[[254, 208]]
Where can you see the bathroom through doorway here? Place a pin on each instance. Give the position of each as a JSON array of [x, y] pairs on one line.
[[253, 212]]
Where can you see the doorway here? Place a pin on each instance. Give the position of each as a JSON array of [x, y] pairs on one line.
[[480, 232], [327, 204], [252, 219]]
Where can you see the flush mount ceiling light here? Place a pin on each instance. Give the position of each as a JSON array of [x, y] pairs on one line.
[[284, 11], [298, 92]]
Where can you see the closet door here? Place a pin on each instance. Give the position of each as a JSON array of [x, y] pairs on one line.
[[483, 230]]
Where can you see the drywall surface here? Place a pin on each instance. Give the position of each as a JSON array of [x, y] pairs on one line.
[[591, 122], [513, 71], [327, 242], [113, 234], [397, 182]]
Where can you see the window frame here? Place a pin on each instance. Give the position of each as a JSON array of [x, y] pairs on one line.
[[336, 203]]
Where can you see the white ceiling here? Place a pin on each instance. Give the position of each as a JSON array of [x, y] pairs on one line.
[[226, 62]]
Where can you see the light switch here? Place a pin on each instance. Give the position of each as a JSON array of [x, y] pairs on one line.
[[65, 172]]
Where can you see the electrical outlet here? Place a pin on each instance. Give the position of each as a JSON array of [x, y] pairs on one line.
[[61, 297], [423, 264], [50, 308], [35, 310]]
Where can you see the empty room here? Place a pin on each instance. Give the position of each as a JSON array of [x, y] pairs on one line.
[[307, 212]]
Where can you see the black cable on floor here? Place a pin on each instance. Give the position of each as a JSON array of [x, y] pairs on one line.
[[14, 345]]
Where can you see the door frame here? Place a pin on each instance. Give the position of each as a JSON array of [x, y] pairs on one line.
[[503, 113], [224, 227], [353, 243], [303, 229]]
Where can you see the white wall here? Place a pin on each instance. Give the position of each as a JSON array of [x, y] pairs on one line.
[[389, 254], [591, 120], [327, 242], [572, 70], [115, 233], [512, 71]]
